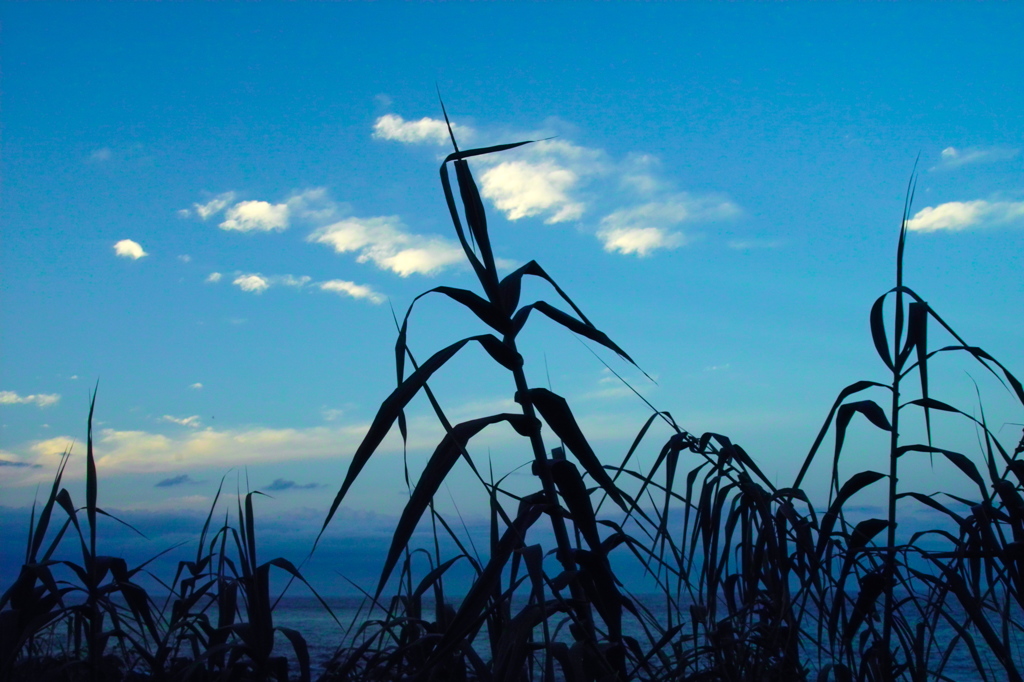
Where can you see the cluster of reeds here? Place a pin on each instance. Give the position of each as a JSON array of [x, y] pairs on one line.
[[92, 618], [755, 582], [752, 581]]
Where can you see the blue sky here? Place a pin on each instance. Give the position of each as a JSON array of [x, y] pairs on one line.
[[208, 209]]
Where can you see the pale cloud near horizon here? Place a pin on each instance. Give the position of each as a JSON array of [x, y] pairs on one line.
[[39, 399], [359, 291], [126, 248], [385, 242], [136, 451], [955, 216], [951, 157]]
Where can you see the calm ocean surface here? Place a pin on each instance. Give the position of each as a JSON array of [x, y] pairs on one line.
[[323, 635]]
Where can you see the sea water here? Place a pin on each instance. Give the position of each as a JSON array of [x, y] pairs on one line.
[[324, 635]]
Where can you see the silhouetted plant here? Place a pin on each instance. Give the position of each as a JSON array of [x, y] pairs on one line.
[[755, 582]]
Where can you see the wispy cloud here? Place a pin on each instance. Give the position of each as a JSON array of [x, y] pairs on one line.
[[951, 157], [256, 216], [955, 216], [258, 283], [40, 399], [210, 208], [192, 422], [126, 248], [331, 414], [426, 130], [100, 155], [183, 479], [639, 240], [213, 278], [343, 287], [196, 386], [648, 227], [185, 258], [281, 484], [313, 204], [385, 242]]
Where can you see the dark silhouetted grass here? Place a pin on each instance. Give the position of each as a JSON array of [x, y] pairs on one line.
[[754, 581]]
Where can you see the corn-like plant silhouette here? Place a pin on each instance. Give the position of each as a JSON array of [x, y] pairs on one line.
[[756, 582], [753, 581]]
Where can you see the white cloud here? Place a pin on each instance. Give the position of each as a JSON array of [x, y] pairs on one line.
[[254, 283], [649, 227], [540, 180], [559, 181], [213, 277], [951, 157], [521, 189], [191, 422], [640, 240], [352, 289], [40, 400], [425, 130], [961, 215], [259, 216], [196, 386], [185, 258], [212, 207], [126, 248], [384, 242]]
